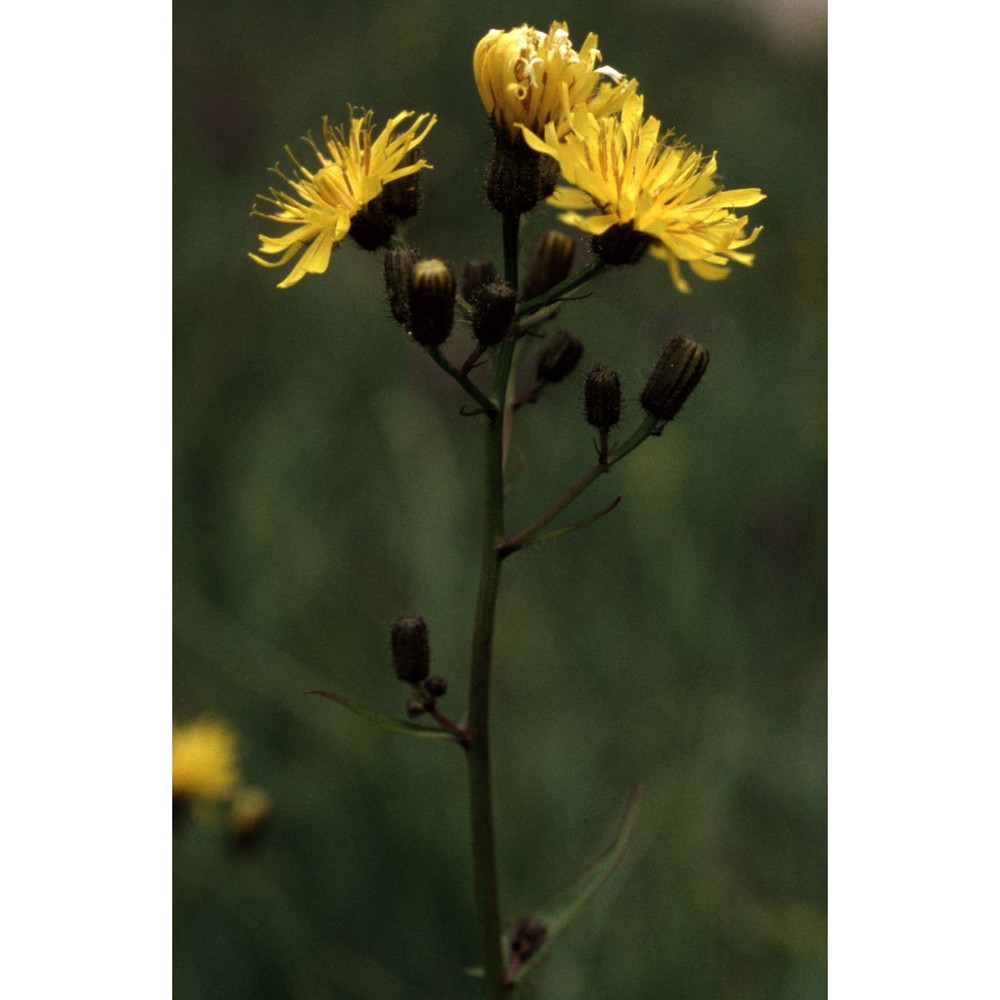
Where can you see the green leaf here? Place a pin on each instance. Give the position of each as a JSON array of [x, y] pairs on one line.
[[557, 915], [385, 721]]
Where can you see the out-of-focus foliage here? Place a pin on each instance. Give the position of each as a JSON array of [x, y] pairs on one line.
[[325, 485]]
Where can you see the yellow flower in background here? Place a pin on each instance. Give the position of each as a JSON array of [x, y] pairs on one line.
[[319, 206], [628, 182], [205, 758], [533, 78]]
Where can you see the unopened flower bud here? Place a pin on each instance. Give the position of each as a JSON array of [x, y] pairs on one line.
[[493, 313], [551, 261], [411, 652], [602, 398], [248, 816], [432, 302], [415, 707], [678, 370], [401, 199], [478, 274], [436, 687], [621, 244], [559, 357], [398, 264], [518, 178]]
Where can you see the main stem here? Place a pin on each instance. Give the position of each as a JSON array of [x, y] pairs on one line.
[[487, 889]]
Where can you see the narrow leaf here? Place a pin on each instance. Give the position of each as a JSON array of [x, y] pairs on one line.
[[385, 721], [557, 915]]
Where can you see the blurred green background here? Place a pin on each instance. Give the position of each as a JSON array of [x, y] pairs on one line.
[[325, 485]]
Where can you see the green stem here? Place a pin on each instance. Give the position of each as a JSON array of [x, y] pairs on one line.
[[518, 541], [485, 403], [562, 289], [485, 880]]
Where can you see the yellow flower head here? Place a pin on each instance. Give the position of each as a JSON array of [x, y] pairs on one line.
[[629, 180], [319, 206], [532, 78], [204, 760]]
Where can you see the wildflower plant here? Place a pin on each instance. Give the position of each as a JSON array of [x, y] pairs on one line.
[[573, 131]]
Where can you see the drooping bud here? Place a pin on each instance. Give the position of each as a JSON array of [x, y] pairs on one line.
[[432, 302], [493, 313], [398, 264], [551, 261], [249, 814], [401, 199], [518, 178], [411, 652], [621, 244], [602, 398], [678, 371], [559, 357], [372, 227], [478, 274], [436, 687]]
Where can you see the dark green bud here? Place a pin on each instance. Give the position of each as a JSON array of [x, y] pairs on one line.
[[551, 262], [518, 178], [559, 357], [621, 244], [602, 398], [478, 274], [436, 687], [398, 264], [411, 651], [678, 370], [432, 302], [493, 313], [401, 199]]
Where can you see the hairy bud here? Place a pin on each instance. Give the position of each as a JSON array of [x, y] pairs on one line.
[[493, 313], [559, 357], [518, 178], [478, 274], [602, 398], [678, 371], [398, 264], [432, 302], [411, 652], [551, 262]]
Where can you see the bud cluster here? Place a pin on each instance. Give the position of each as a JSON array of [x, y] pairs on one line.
[[411, 660]]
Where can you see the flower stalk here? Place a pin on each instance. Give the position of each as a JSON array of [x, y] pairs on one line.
[[485, 879]]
